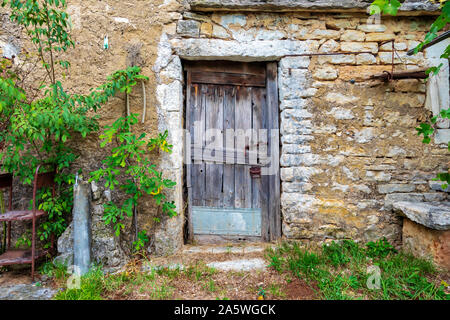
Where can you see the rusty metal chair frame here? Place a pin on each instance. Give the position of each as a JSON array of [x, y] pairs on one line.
[[11, 257]]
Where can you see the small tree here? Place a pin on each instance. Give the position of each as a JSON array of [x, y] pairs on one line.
[[37, 124]]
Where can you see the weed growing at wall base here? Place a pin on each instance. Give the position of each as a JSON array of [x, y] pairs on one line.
[[346, 270]]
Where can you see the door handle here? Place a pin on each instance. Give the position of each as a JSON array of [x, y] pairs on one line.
[[255, 172]]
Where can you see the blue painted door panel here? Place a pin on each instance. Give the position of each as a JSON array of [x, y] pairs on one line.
[[221, 221]]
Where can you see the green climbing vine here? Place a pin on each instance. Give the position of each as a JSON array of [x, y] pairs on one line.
[[128, 160], [40, 120]]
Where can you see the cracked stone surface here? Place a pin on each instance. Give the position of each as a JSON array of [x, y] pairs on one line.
[[434, 215], [210, 5], [26, 292]]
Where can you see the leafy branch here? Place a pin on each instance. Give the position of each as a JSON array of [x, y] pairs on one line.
[[128, 161]]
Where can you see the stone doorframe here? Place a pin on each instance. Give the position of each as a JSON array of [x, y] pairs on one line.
[[294, 83]]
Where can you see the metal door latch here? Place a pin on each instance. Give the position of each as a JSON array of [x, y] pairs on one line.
[[255, 172]]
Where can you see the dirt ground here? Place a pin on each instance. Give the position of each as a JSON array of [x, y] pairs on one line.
[[184, 285], [184, 276], [233, 284]]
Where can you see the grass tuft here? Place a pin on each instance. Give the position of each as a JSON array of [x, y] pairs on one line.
[[343, 271]]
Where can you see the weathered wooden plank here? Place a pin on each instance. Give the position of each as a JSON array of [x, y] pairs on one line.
[[198, 168], [260, 186], [243, 122], [252, 68], [214, 128], [274, 147], [225, 78], [256, 125], [208, 154], [229, 104], [189, 126]]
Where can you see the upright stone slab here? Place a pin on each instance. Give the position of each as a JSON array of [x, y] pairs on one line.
[[81, 227], [106, 249], [426, 230]]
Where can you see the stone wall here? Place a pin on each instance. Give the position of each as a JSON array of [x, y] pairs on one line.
[[349, 147]]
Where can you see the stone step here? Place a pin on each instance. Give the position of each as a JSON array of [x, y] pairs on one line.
[[240, 265], [224, 249]]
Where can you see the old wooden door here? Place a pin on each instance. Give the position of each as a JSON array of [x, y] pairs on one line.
[[232, 151]]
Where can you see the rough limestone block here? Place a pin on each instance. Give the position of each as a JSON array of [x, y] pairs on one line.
[[365, 58], [260, 50], [396, 187], [188, 28], [401, 58], [427, 243], [341, 24], [329, 46], [295, 62], [338, 59], [326, 73], [372, 27], [220, 32], [399, 46], [324, 34], [379, 37], [353, 35]]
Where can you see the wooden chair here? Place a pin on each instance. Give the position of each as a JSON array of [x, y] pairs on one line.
[[11, 257]]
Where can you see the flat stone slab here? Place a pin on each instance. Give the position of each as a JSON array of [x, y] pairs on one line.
[[169, 266], [434, 215], [290, 5], [26, 292], [239, 265]]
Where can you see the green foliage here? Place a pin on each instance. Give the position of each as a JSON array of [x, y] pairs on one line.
[[95, 285], [128, 161], [40, 132], [276, 291], [36, 131], [335, 254], [276, 261], [91, 287], [339, 271], [303, 262], [24, 240], [54, 270], [141, 241], [380, 249], [437, 26], [385, 6], [57, 208]]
